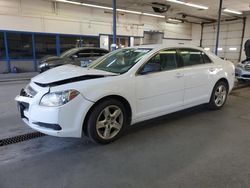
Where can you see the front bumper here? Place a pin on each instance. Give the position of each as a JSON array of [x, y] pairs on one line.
[[62, 121], [242, 73]]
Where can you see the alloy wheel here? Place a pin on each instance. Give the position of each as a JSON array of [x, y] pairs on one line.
[[109, 122], [220, 95]]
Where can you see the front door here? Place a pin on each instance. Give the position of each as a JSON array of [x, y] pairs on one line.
[[159, 85]]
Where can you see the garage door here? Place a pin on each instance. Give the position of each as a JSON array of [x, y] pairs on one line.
[[230, 39]]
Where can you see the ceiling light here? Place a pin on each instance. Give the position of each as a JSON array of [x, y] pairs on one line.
[[189, 4], [177, 1], [207, 49], [220, 49], [232, 49], [128, 11], [197, 6], [110, 8], [153, 15], [71, 2], [174, 20], [96, 6], [231, 11]]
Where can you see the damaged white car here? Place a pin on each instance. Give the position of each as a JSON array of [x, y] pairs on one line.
[[122, 88]]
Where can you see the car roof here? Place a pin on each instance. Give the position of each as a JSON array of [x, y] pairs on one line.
[[94, 48], [162, 46]]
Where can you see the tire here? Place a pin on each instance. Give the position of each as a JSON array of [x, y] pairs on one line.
[[107, 121], [219, 96]]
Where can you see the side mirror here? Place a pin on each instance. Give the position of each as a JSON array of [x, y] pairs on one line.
[[150, 67]]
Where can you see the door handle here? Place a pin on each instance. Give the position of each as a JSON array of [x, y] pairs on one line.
[[179, 75]]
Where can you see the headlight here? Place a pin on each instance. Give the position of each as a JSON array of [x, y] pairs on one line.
[[58, 98], [43, 65]]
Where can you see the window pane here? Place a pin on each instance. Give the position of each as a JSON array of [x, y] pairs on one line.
[[45, 45], [121, 42], [84, 53], [191, 57], [20, 45], [120, 61], [168, 59], [68, 42], [99, 52], [164, 60], [2, 46], [206, 58], [90, 42]]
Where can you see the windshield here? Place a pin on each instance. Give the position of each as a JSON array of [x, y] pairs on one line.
[[120, 61], [68, 53]]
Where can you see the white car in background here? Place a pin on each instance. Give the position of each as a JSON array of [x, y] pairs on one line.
[[122, 88], [242, 71]]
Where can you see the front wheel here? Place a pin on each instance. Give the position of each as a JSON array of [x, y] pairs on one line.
[[219, 96], [107, 121]]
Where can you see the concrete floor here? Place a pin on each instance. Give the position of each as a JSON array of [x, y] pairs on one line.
[[192, 148]]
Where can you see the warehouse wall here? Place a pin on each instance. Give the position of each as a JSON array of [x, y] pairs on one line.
[[42, 16]]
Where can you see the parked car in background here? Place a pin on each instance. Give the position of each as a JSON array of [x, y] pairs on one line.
[[78, 56], [124, 87], [242, 71]]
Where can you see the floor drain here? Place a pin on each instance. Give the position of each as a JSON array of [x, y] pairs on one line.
[[20, 138]]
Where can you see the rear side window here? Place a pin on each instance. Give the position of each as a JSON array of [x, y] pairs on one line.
[[99, 52], [84, 53], [206, 58], [189, 57]]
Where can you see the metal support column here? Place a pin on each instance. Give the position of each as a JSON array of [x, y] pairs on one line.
[[58, 49], [34, 52], [113, 46], [7, 53], [242, 37], [218, 28], [202, 28]]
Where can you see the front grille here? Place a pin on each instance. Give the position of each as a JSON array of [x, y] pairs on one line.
[[245, 76], [247, 67], [23, 106]]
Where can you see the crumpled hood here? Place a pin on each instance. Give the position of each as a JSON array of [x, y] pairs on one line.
[[68, 73]]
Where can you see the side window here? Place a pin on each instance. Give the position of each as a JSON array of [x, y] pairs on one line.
[[206, 58], [164, 60], [168, 59], [99, 52], [84, 53], [189, 57]]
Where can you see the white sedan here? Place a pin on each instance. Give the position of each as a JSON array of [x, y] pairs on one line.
[[122, 88]]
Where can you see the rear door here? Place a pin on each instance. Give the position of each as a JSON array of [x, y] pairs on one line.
[[197, 69]]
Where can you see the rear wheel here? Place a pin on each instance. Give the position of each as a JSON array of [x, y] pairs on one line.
[[107, 121], [219, 96]]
